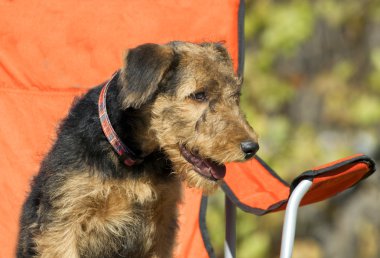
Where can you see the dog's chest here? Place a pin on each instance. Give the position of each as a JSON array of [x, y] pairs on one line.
[[132, 218]]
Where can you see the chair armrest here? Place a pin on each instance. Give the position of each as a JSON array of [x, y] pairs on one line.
[[290, 220]]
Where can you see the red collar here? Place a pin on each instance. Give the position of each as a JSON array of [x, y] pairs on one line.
[[127, 155]]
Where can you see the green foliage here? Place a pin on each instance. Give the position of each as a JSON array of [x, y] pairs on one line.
[[366, 110], [374, 76], [282, 27]]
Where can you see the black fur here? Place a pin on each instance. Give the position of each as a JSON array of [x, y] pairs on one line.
[[81, 144], [145, 65]]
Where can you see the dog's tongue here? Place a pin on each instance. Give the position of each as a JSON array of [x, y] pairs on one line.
[[206, 167], [217, 171]]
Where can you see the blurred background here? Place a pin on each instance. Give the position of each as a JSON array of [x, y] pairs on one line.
[[312, 92]]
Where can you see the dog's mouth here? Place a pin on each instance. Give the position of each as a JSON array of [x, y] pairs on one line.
[[205, 167]]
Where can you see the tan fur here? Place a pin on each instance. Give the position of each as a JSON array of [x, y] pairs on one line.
[[220, 135], [102, 208]]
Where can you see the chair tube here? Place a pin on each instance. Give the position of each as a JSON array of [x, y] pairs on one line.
[[230, 238], [289, 227]]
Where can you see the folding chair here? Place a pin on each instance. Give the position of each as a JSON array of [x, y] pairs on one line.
[[52, 52]]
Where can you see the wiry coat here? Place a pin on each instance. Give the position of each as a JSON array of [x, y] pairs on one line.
[[85, 202]]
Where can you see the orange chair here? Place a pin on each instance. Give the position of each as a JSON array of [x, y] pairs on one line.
[[53, 51]]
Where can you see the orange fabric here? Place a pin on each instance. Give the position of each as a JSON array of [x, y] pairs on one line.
[[335, 181], [27, 129], [253, 188], [253, 185], [190, 242], [336, 162], [53, 51], [77, 44]]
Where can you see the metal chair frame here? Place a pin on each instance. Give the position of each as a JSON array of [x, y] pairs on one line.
[[289, 226]]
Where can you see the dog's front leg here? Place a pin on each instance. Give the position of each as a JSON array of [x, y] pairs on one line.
[[58, 241]]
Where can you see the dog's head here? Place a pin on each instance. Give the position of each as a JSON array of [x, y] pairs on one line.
[[192, 98]]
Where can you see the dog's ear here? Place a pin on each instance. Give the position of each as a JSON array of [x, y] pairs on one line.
[[221, 52], [144, 68]]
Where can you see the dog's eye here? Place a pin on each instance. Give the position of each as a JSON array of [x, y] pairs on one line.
[[199, 96]]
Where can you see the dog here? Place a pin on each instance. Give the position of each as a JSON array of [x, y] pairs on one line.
[[110, 185]]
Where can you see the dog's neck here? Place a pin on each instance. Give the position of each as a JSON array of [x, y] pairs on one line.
[[131, 125]]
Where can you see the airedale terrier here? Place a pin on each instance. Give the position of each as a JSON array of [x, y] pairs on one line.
[[110, 185]]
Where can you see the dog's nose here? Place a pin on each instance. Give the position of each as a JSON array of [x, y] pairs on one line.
[[249, 148]]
